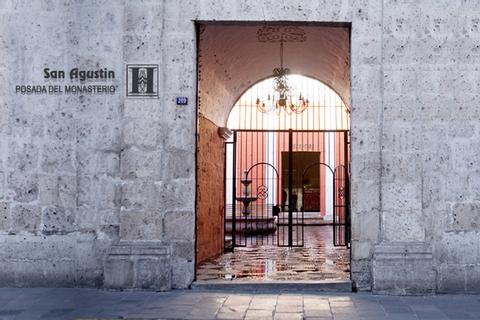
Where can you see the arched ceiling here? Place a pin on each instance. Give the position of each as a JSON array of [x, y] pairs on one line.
[[231, 59]]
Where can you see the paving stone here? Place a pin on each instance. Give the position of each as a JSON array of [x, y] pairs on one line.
[[287, 316], [96, 304], [258, 314]]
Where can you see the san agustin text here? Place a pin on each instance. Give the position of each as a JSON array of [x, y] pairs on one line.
[[75, 75]]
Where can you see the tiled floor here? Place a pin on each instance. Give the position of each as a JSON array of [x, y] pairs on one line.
[[317, 260], [53, 304]]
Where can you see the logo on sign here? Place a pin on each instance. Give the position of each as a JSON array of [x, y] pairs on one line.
[[142, 80]]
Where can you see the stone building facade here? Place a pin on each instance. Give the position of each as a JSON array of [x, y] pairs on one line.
[[100, 190]]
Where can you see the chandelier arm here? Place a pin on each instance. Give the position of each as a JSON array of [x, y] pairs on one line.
[[281, 53]]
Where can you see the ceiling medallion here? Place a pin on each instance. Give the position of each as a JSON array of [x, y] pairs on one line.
[[282, 96]]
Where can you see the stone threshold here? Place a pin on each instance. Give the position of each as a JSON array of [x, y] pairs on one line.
[[274, 285]]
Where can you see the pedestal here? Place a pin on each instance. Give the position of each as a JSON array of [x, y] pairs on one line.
[[403, 268], [138, 265]]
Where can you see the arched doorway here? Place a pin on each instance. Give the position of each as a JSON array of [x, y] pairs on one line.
[[287, 226], [287, 179], [309, 149]]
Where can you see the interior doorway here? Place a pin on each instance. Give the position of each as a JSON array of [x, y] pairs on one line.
[[285, 160]]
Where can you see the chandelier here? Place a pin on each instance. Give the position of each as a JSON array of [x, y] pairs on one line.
[[282, 98]]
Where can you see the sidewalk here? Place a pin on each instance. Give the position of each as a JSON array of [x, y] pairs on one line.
[[195, 304]]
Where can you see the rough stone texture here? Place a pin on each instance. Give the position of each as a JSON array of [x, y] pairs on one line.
[[403, 268], [210, 197], [138, 265], [414, 71]]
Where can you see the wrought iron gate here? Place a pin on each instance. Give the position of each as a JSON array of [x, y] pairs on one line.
[[275, 177]]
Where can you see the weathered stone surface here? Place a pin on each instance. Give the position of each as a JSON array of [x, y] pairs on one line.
[[465, 217], [139, 163], [4, 216], [451, 278], [145, 265], [24, 186], [403, 268], [179, 225], [25, 217], [58, 220], [142, 225]]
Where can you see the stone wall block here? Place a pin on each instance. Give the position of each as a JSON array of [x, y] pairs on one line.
[[365, 107], [401, 197], [85, 159], [48, 189], [365, 138], [144, 17], [182, 272], [108, 193], [401, 107], [433, 191], [465, 156], [86, 191], [119, 272], [366, 78], [473, 278], [67, 191], [86, 218], [25, 217], [474, 185], [179, 225], [361, 249], [366, 50], [141, 132], [60, 126], [138, 163], [451, 278], [366, 166], [139, 194], [400, 138], [138, 265], [141, 225], [23, 185], [465, 217], [7, 272], [365, 196], [58, 157], [455, 186], [362, 275], [143, 47], [400, 167], [108, 136], [175, 169], [58, 220], [404, 225], [23, 156], [176, 195], [5, 219], [152, 273], [367, 225], [108, 163], [403, 268]]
